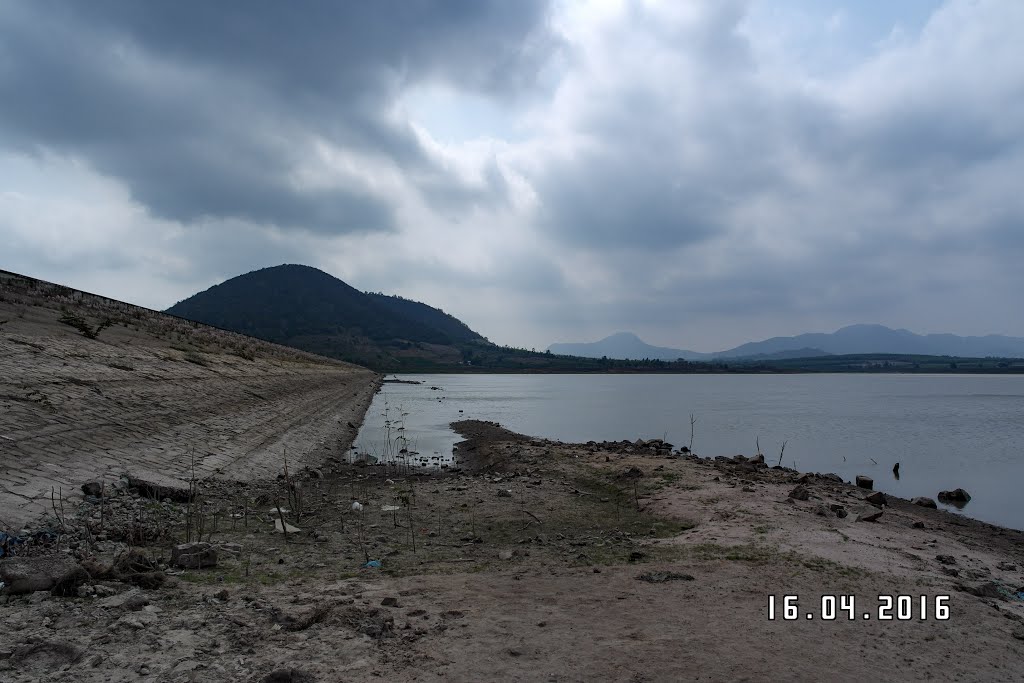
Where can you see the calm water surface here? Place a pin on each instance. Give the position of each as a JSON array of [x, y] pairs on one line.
[[946, 431]]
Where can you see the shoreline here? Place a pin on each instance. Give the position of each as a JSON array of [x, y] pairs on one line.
[[547, 561]]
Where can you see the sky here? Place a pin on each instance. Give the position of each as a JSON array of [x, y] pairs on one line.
[[700, 172]]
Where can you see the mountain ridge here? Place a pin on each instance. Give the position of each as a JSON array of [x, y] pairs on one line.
[[851, 339]]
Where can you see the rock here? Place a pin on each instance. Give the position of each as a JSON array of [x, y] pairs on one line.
[[924, 501], [918, 525], [58, 573], [838, 510], [233, 549], [93, 488], [800, 493], [748, 489], [159, 487], [868, 514], [822, 510], [954, 496], [865, 482], [877, 499], [504, 493], [505, 555], [1018, 633], [194, 555], [138, 620], [390, 602], [989, 589], [757, 459], [1007, 566], [946, 559]]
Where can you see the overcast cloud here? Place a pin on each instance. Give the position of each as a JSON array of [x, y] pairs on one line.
[[703, 173]]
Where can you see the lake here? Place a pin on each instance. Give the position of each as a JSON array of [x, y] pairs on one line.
[[946, 431]]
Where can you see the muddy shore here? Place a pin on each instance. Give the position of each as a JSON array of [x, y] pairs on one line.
[[538, 561]]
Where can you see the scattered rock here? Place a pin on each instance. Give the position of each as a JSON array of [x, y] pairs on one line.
[[505, 555], [504, 493], [194, 555], [865, 482], [877, 499], [945, 559], [757, 459], [918, 525], [924, 501], [954, 496], [1007, 566], [800, 493], [390, 602], [838, 510], [57, 573]]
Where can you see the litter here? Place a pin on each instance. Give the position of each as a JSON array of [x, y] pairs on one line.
[[287, 527], [373, 564], [390, 508], [357, 506]]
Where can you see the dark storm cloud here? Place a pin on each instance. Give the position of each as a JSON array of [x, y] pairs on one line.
[[209, 110]]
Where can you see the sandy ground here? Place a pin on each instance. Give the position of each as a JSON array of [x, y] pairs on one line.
[[147, 393]]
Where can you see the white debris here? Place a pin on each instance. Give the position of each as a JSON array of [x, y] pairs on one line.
[[357, 506], [287, 527]]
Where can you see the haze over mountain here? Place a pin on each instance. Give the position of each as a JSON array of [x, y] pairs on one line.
[[852, 339], [624, 345]]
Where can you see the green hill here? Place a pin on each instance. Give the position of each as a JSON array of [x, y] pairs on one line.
[[308, 309]]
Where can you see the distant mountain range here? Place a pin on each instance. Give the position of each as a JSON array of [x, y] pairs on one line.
[[853, 339]]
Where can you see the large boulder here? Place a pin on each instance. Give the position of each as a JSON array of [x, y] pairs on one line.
[[59, 573], [865, 482], [954, 496], [924, 502], [194, 555]]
